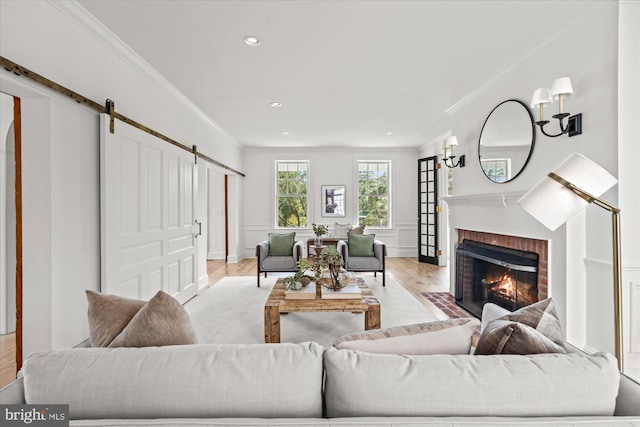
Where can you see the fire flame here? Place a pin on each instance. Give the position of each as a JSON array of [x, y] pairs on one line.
[[506, 286]]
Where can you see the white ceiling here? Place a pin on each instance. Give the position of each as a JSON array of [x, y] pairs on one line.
[[346, 72]]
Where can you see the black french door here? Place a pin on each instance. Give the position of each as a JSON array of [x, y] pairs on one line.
[[428, 209]]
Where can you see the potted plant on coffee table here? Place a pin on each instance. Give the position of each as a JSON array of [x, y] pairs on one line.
[[300, 279], [329, 262]]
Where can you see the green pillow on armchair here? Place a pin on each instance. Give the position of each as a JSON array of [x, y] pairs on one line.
[[360, 244], [281, 244]]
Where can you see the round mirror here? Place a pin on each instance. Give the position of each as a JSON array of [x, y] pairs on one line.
[[506, 141]]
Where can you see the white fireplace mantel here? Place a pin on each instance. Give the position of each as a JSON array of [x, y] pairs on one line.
[[488, 199]]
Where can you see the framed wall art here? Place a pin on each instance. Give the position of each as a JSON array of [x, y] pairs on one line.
[[333, 200]]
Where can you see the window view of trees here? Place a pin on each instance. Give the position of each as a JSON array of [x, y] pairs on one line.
[[373, 194], [292, 182], [496, 169]]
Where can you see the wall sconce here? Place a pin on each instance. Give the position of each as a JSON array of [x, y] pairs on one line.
[[560, 88], [449, 160]]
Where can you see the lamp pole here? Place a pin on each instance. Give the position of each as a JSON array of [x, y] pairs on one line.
[[617, 265]]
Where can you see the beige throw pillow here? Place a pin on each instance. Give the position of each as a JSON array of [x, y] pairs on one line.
[[108, 316], [451, 336], [358, 230], [532, 329], [162, 321]]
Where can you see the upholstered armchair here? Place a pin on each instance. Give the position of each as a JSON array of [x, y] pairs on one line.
[[363, 258], [280, 253]]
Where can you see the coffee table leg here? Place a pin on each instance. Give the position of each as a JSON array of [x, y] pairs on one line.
[[372, 317], [271, 324]]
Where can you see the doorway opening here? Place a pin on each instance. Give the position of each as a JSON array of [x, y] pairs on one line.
[[10, 238]]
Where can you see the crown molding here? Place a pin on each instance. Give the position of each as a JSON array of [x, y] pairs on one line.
[[556, 37], [73, 10]]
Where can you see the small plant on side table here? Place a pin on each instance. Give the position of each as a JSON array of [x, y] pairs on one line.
[[319, 230]]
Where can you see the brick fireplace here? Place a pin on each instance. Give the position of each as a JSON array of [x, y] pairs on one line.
[[511, 271]]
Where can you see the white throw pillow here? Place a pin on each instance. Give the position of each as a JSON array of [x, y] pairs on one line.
[[451, 336], [340, 230]]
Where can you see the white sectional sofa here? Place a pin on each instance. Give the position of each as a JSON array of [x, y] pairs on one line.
[[307, 385]]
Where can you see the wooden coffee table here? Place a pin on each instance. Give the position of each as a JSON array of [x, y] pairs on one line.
[[276, 304]]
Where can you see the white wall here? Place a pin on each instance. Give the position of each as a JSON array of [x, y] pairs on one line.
[[629, 177], [331, 166], [586, 51], [61, 253]]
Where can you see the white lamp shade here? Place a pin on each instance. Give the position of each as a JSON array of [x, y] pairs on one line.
[[561, 86], [452, 141], [553, 204], [540, 96]]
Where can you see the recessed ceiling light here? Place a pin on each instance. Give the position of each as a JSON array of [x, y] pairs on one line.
[[276, 104], [286, 132], [389, 133], [252, 40]]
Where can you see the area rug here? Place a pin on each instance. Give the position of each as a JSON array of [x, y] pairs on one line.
[[447, 304], [232, 312]]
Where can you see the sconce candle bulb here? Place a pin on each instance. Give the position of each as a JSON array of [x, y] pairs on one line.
[[560, 88], [450, 160]]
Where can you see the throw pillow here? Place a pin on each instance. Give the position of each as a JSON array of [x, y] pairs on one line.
[[358, 230], [506, 337], [108, 316], [532, 329], [451, 336], [281, 244], [360, 245], [162, 321], [340, 230]]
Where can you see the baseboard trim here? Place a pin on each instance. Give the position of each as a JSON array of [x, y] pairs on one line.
[[203, 281]]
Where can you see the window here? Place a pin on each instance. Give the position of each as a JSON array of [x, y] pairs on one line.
[[373, 193], [292, 180], [498, 170]]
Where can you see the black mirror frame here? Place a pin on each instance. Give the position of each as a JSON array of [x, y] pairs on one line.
[[533, 139]]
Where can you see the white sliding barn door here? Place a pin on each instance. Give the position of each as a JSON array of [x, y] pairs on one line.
[[148, 190]]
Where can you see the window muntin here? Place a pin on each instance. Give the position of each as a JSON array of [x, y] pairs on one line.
[[498, 170], [292, 185], [374, 193]]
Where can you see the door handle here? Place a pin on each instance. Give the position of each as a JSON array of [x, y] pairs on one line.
[[199, 233]]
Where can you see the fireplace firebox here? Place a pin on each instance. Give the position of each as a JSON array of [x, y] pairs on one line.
[[487, 273]]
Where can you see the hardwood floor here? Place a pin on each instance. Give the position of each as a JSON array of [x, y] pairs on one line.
[[7, 359], [414, 276]]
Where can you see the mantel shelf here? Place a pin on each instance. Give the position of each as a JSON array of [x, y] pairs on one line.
[[485, 200]]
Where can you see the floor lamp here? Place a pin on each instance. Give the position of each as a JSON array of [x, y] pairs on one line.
[[565, 191]]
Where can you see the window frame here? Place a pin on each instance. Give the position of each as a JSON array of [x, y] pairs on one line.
[[388, 163], [276, 194], [507, 167]]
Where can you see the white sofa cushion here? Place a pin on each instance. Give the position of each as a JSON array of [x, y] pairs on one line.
[[205, 380], [366, 384]]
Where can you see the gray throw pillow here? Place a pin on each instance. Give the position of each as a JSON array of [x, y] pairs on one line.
[[281, 244], [360, 245], [162, 321], [532, 329], [108, 315]]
